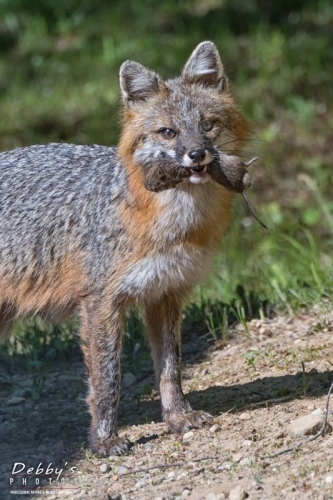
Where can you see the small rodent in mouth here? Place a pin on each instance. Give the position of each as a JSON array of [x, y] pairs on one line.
[[228, 171]]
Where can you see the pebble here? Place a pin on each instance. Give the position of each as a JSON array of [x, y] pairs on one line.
[[317, 411], [128, 379], [237, 457], [329, 479], [157, 480], [246, 443], [214, 428], [139, 484], [171, 474], [185, 494], [246, 461], [188, 435], [26, 383], [211, 496], [225, 466], [104, 468], [237, 493], [15, 400], [122, 469], [307, 425], [244, 416]]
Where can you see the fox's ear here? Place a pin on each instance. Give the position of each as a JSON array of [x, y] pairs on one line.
[[205, 66], [138, 83]]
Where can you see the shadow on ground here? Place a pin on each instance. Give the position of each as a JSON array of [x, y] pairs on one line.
[[52, 428]]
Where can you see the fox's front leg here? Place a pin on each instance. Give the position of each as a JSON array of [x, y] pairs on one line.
[[164, 329], [101, 333]]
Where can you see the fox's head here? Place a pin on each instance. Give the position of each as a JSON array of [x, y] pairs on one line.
[[181, 122]]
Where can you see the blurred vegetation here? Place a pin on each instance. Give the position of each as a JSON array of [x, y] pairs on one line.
[[59, 66]]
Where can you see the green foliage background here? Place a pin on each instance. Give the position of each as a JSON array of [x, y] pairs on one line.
[[59, 66]]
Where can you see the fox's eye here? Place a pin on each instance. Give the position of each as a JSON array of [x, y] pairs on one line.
[[167, 133], [207, 125]]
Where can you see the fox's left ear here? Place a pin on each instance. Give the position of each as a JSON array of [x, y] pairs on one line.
[[205, 66]]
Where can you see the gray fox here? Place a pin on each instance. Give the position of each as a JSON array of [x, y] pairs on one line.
[[80, 232]]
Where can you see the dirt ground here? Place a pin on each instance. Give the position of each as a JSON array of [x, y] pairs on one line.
[[254, 386]]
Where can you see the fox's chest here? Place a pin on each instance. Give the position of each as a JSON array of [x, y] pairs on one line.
[[174, 249], [158, 274]]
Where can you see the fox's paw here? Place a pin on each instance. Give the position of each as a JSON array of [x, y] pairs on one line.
[[179, 423], [113, 445]]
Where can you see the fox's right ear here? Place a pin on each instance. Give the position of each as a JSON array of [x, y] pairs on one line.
[[138, 83]]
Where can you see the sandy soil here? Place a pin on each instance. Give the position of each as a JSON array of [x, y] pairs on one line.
[[254, 385]]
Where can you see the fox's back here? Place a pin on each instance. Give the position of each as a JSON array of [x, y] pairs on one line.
[[58, 211], [56, 193]]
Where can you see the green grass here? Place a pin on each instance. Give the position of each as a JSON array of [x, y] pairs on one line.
[[59, 65]]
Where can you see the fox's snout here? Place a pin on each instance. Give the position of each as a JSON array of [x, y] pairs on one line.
[[196, 157]]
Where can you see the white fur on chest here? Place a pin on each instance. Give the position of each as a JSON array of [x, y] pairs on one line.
[[183, 209], [173, 266], [177, 269]]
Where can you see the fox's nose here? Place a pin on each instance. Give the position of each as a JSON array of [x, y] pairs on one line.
[[197, 155]]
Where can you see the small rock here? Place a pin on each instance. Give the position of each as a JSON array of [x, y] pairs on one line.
[[157, 480], [128, 379], [237, 493], [244, 416], [237, 457], [317, 411], [214, 428], [171, 474], [139, 484], [122, 469], [26, 383], [15, 400], [246, 443], [225, 466], [188, 435], [185, 494], [104, 468], [307, 425], [42, 448], [246, 461], [329, 479], [211, 496]]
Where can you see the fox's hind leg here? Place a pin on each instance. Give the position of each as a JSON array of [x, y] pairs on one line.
[[164, 328], [101, 334]]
